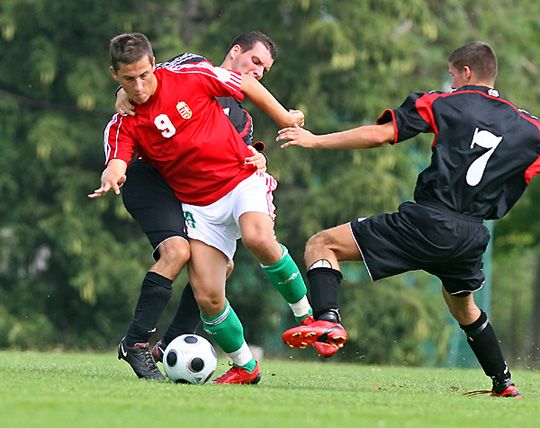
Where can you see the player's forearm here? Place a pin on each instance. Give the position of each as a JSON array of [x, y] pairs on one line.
[[264, 100], [363, 137]]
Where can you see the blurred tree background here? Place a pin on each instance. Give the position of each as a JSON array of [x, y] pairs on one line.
[[70, 267]]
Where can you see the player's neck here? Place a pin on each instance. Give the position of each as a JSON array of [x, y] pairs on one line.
[[488, 84]]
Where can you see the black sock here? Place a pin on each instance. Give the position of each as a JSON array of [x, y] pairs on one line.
[[483, 341], [324, 290], [186, 319], [155, 293]]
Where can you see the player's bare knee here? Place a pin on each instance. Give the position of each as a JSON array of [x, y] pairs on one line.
[[210, 303], [175, 252], [257, 243], [318, 242], [463, 309]]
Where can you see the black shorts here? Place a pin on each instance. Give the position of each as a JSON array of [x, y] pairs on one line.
[[422, 236], [153, 204]]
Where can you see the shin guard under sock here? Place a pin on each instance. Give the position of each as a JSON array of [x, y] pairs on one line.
[[324, 289], [484, 343], [155, 292], [225, 329], [286, 278]]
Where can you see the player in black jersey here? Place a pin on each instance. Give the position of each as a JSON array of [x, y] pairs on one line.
[[484, 154]]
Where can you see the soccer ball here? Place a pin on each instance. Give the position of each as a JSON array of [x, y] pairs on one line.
[[189, 359]]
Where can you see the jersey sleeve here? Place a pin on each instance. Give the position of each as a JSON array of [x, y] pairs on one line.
[[117, 141], [182, 59], [413, 117], [216, 81]]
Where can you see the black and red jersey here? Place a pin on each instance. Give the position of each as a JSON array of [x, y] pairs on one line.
[[484, 154]]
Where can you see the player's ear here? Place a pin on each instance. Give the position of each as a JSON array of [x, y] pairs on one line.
[[153, 62], [113, 73], [467, 72], [235, 50]]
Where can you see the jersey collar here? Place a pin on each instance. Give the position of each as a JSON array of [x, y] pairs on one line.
[[484, 89]]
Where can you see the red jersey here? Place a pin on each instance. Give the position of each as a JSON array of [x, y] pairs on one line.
[[183, 132]]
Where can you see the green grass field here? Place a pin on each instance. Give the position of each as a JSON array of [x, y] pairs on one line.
[[96, 390]]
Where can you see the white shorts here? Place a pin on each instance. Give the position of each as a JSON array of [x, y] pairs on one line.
[[217, 224]]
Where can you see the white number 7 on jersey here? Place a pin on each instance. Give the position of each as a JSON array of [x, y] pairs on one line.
[[486, 140]]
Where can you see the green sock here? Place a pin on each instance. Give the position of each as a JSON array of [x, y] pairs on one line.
[[303, 317], [249, 366], [226, 329], [285, 277]]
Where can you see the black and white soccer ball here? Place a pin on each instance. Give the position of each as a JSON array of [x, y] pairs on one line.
[[189, 359]]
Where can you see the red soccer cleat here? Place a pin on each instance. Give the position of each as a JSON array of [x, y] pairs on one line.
[[325, 350], [510, 392], [239, 375], [330, 333]]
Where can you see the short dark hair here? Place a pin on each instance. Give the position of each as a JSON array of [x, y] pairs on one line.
[[129, 48], [479, 56], [248, 39]]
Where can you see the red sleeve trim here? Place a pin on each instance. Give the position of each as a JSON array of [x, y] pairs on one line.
[[424, 107], [389, 116], [532, 170]]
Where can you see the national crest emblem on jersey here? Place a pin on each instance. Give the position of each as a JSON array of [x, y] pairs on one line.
[[184, 110]]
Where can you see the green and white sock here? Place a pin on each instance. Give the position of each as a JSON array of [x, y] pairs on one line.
[[226, 329], [286, 278], [243, 358], [301, 309]]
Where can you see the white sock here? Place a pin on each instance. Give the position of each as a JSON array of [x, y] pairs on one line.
[[242, 356], [301, 308]]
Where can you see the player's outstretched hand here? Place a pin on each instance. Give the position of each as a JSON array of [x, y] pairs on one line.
[[122, 105], [296, 136], [258, 159], [109, 181]]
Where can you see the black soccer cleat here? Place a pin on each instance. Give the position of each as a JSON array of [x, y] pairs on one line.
[[140, 359]]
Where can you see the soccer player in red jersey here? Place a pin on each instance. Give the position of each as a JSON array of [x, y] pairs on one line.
[[484, 154], [146, 195], [181, 131]]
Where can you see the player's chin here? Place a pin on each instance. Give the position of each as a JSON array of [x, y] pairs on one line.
[[141, 99]]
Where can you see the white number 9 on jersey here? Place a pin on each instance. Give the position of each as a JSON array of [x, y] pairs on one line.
[[164, 124]]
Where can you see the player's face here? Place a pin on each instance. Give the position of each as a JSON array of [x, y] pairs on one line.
[[459, 77], [137, 79], [256, 61]]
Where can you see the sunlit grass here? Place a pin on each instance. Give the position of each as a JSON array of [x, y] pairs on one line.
[[96, 390]]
